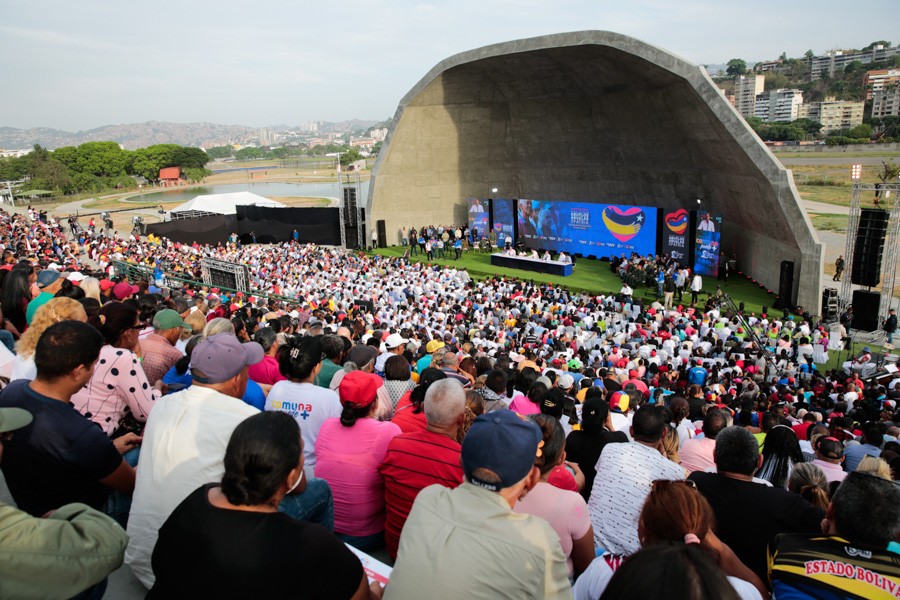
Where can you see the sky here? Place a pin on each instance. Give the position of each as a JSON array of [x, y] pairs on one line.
[[79, 65]]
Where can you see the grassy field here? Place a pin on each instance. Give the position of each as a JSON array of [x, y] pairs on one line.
[[835, 223], [595, 276]]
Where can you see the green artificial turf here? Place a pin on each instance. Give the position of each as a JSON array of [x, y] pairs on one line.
[[596, 277]]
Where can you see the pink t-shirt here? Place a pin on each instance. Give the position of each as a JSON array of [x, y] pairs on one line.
[[266, 371], [522, 405], [697, 454], [565, 511], [348, 459]]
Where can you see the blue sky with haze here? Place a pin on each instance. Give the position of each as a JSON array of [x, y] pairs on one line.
[[82, 64]]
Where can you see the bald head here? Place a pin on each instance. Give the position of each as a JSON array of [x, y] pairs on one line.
[[451, 360]]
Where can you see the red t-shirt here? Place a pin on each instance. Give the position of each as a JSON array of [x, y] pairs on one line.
[[800, 430], [413, 462], [405, 418]]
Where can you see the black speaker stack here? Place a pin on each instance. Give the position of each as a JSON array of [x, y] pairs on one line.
[[830, 307], [382, 234], [869, 247], [785, 286], [865, 310]]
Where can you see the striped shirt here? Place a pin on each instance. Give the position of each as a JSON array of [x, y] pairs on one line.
[[413, 462]]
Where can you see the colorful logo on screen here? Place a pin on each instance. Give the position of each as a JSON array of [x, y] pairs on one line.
[[677, 221], [498, 226], [623, 224]]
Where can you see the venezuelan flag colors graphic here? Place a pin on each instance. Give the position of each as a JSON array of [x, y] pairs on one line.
[[623, 224], [677, 221]]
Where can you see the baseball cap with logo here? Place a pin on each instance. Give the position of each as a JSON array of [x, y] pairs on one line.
[[359, 389], [220, 357], [502, 442], [169, 319]]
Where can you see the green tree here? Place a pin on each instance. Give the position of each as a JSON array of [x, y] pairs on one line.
[[783, 56], [50, 174], [736, 66], [808, 126], [854, 67], [776, 81], [861, 131], [85, 182], [220, 152], [884, 43], [809, 54], [784, 132], [351, 155], [248, 153], [67, 155], [195, 174], [103, 159]]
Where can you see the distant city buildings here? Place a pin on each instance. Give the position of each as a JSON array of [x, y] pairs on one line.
[[13, 153], [778, 105], [834, 115], [827, 64], [746, 89], [879, 81], [886, 102]]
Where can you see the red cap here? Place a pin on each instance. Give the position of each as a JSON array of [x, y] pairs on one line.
[[105, 284], [359, 389]]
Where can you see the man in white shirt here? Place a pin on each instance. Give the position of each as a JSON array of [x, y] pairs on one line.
[[696, 287], [625, 473], [184, 443]]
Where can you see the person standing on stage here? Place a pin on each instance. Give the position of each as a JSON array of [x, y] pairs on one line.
[[838, 268], [696, 287]]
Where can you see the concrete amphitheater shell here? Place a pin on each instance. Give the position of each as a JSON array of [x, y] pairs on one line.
[[591, 116]]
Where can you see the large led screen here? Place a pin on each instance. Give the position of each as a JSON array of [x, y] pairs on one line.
[[502, 210], [601, 230], [479, 216], [706, 246], [675, 235]]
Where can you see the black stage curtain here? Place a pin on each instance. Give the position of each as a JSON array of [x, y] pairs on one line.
[[203, 230], [275, 225]]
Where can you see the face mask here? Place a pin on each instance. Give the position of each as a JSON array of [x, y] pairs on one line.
[[299, 479]]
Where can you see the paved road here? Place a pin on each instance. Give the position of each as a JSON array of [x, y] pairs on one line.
[[823, 161]]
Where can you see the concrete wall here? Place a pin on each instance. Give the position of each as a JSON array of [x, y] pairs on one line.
[[590, 117]]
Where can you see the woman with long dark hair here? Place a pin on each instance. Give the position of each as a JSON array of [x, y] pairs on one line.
[[14, 298], [118, 397], [349, 451], [228, 540], [300, 361], [781, 452]]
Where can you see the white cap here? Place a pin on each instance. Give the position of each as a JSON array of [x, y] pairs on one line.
[[394, 340], [75, 277]]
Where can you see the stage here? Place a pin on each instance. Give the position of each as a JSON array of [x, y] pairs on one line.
[[524, 263]]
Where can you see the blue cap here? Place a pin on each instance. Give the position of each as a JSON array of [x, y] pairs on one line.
[[502, 442]]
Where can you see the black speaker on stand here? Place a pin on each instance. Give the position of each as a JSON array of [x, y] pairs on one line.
[[869, 247], [865, 310], [785, 286], [382, 234]]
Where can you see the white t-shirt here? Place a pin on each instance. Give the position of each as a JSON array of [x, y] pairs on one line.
[[183, 448], [23, 368], [310, 405], [624, 475]]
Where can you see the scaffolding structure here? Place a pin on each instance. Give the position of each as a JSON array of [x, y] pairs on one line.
[[887, 196]]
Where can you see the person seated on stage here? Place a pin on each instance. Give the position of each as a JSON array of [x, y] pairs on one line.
[[547, 255], [626, 290], [860, 363], [534, 254], [563, 258]]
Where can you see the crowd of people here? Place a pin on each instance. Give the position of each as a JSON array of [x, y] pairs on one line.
[[495, 438]]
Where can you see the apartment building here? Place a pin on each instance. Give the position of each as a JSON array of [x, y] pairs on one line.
[[746, 88], [827, 64], [877, 81], [778, 105], [834, 115], [886, 102]]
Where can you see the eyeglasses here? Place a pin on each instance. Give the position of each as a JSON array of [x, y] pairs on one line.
[[138, 326]]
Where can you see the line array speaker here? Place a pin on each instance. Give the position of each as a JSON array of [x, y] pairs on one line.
[[869, 247]]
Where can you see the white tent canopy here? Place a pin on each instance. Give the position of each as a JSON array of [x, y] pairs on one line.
[[220, 204]]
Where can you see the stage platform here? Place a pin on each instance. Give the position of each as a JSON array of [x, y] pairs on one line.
[[525, 263]]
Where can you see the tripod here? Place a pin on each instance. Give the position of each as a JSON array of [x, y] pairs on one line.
[[770, 360]]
